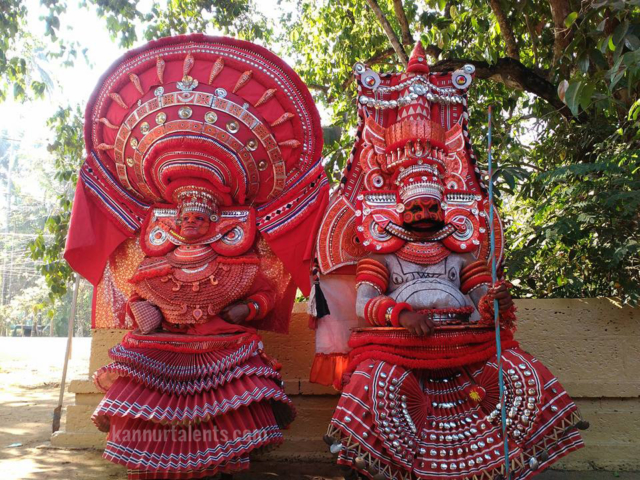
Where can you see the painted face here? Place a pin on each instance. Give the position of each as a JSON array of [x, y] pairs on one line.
[[423, 214], [194, 225]]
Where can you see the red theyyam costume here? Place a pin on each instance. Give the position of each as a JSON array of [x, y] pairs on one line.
[[405, 242], [194, 217]]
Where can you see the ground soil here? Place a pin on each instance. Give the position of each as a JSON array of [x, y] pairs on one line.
[[30, 375]]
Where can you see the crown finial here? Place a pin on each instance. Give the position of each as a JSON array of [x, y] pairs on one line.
[[418, 60]]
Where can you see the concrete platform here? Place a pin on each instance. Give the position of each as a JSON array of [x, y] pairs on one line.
[[592, 345]]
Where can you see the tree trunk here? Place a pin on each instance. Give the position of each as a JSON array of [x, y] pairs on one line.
[[505, 29], [559, 11]]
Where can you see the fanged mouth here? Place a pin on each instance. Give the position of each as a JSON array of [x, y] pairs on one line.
[[427, 232], [423, 226]]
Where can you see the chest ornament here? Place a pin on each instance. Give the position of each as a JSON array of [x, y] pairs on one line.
[[195, 292]]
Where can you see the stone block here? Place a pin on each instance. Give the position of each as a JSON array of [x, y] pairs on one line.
[[591, 345]]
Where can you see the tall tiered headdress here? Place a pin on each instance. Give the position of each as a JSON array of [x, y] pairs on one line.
[[412, 142], [199, 121]]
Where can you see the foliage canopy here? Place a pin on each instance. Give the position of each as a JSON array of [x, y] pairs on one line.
[[562, 77]]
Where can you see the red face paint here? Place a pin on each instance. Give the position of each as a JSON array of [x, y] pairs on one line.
[[194, 225], [423, 212]]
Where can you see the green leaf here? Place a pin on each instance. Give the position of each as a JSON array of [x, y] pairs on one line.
[[616, 77], [598, 59], [509, 178], [620, 32], [572, 96], [583, 62], [632, 42], [632, 59], [586, 93], [634, 111], [571, 18]]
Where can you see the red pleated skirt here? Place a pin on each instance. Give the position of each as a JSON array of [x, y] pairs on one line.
[[397, 422], [182, 407]]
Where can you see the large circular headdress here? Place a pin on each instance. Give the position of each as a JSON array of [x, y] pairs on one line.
[[225, 112]]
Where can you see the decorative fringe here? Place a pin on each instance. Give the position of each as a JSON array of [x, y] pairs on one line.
[[353, 450], [322, 307], [317, 305], [239, 260]]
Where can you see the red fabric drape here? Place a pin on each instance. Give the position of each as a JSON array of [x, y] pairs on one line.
[[92, 237], [295, 248]]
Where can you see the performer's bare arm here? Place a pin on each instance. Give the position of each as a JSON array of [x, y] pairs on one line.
[[414, 322], [367, 292], [260, 301]]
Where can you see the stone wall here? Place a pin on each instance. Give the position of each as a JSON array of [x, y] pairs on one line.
[[592, 345]]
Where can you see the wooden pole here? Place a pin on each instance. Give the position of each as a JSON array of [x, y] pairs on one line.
[[57, 412]]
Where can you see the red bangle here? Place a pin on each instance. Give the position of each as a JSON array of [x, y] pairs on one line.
[[376, 308], [472, 265], [381, 313], [253, 311], [371, 263], [366, 268], [473, 269], [464, 276], [368, 311], [395, 313], [374, 279], [474, 282]]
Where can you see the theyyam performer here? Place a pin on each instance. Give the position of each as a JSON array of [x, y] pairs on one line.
[[403, 304], [194, 217]]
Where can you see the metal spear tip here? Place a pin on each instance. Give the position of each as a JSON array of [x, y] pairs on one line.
[[329, 440], [583, 425]]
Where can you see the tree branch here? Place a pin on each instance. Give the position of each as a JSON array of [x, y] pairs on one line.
[[513, 74], [391, 35], [407, 38], [505, 29], [377, 58], [533, 37], [433, 50], [320, 88]]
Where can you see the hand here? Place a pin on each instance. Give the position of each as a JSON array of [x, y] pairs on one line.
[[501, 293], [235, 313], [417, 323]]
